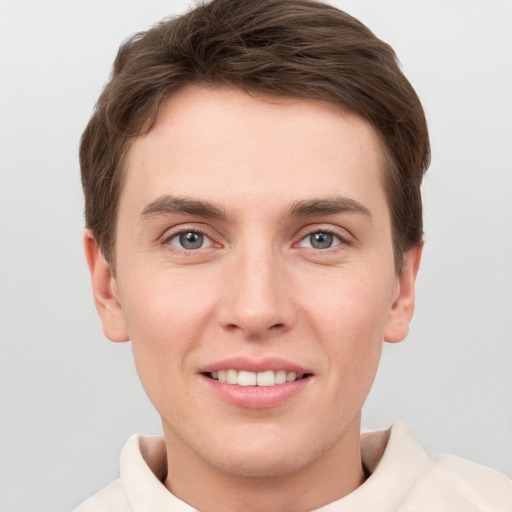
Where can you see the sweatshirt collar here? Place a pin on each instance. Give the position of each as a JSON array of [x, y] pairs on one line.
[[392, 457]]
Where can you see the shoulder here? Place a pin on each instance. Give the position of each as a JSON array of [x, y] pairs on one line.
[[407, 479], [482, 487], [143, 465], [451, 483], [108, 499]]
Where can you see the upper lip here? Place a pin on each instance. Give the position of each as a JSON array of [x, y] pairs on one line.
[[254, 365]]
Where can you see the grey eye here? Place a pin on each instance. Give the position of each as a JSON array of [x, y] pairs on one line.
[[189, 241], [321, 240]]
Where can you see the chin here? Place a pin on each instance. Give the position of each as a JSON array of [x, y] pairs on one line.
[[261, 466], [267, 457]]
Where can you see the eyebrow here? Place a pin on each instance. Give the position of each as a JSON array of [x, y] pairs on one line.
[[168, 204], [329, 206], [184, 205]]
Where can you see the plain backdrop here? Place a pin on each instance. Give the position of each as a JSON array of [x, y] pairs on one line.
[[69, 398]]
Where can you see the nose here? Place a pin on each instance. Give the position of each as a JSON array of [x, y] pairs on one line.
[[256, 300]]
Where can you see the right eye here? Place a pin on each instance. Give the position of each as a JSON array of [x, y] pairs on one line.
[[190, 240], [321, 239]]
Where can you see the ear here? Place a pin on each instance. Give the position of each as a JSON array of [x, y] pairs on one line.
[[104, 288], [402, 309]]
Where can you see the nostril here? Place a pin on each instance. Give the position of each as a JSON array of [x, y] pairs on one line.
[[255, 320]]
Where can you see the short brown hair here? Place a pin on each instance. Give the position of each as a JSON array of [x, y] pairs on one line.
[[300, 48]]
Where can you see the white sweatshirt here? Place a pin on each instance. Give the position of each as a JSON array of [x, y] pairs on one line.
[[403, 478]]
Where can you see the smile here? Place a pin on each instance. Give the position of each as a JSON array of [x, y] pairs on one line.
[[247, 378]]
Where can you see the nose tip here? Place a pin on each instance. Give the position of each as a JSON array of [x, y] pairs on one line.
[[256, 301]]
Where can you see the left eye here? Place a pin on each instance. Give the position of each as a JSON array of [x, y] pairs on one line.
[[190, 240], [320, 240]]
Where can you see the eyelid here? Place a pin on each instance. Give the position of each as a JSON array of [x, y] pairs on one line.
[[206, 241], [180, 229], [344, 236]]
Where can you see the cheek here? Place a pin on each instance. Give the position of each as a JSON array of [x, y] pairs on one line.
[[165, 319], [165, 327], [351, 322], [164, 306], [354, 308]]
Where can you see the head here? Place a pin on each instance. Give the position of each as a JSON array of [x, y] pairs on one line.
[[252, 176], [303, 49]]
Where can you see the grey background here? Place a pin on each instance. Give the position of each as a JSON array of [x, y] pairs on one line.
[[69, 399]]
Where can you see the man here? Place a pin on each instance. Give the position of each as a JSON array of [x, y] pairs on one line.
[[252, 179]]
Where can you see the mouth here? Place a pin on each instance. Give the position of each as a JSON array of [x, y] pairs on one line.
[[266, 378], [257, 383]]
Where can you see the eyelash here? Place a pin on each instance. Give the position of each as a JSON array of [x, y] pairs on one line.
[[341, 235], [168, 239]]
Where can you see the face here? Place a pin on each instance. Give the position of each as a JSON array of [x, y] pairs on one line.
[[255, 276]]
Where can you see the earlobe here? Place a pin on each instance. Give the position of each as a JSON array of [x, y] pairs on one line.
[[402, 309], [105, 291]]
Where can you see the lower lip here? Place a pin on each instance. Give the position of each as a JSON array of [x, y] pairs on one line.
[[256, 397]]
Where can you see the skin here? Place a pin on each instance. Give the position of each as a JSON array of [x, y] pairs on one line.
[[256, 289]]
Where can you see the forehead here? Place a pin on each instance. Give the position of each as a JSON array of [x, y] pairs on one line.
[[225, 144]]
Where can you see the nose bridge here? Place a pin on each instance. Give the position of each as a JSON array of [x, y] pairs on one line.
[[256, 299]]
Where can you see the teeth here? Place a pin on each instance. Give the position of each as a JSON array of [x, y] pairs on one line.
[[280, 377], [290, 376], [267, 378], [232, 377], [245, 378]]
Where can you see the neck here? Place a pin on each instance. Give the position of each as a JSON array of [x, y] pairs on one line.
[[335, 474]]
